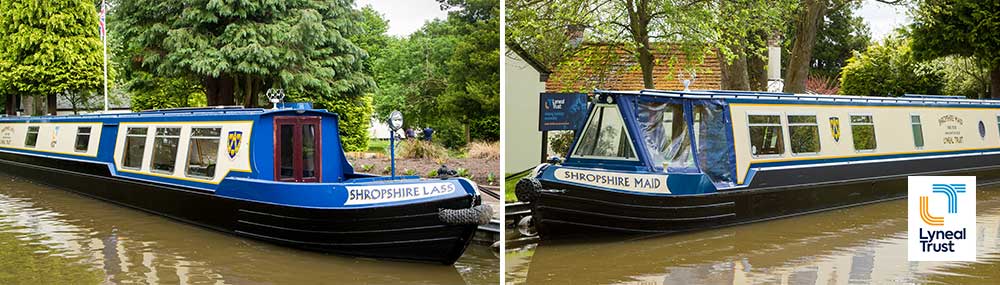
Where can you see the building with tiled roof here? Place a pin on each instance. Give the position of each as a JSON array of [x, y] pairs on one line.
[[603, 66]]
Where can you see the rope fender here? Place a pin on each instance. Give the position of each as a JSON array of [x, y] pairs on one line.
[[478, 215], [527, 189]]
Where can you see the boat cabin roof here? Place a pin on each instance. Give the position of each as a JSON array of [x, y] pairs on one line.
[[790, 98], [233, 112]]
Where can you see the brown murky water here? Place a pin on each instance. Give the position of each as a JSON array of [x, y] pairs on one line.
[[856, 245], [51, 236]]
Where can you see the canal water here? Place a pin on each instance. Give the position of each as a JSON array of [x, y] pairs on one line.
[[857, 245], [51, 236]]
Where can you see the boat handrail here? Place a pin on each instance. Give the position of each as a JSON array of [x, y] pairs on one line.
[[760, 95]]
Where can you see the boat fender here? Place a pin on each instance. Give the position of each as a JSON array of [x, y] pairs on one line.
[[478, 215], [527, 189]]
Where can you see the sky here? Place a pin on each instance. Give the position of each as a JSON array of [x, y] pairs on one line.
[[405, 16], [883, 18]]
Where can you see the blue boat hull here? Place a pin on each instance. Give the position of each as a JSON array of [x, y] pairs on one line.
[[412, 232], [562, 210]]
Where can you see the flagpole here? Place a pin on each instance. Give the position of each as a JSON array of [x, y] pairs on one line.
[[104, 41]]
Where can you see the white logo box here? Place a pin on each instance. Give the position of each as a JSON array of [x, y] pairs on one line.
[[942, 227]]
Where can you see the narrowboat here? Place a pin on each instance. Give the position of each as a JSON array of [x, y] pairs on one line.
[[278, 175], [655, 162]]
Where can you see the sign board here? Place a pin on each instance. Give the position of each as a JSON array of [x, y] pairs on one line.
[[562, 111], [374, 194]]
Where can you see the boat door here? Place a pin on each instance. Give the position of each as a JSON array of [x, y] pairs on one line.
[[297, 149]]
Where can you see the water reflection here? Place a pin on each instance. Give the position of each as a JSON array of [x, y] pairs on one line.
[[127, 246], [856, 245]]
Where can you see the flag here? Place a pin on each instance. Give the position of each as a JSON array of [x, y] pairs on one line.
[[101, 16]]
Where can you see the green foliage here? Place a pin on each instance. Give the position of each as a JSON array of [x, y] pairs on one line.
[[462, 172], [840, 35], [559, 142], [367, 168], [49, 47], [354, 114], [957, 27], [432, 173], [965, 76], [149, 92], [491, 178], [446, 75], [409, 172], [889, 69]]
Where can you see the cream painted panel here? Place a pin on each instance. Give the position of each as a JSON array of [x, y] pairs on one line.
[[57, 138], [224, 164], [893, 132]]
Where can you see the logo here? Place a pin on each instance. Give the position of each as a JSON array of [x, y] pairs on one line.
[[6, 135], [55, 137], [234, 139], [946, 227], [835, 128]]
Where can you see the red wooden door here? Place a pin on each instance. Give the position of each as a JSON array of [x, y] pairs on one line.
[[298, 149]]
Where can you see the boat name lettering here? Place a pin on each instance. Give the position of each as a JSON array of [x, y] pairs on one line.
[[357, 195], [623, 181], [6, 135], [952, 134]]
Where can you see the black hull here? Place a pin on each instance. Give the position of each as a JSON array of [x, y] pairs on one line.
[[564, 210], [411, 232]]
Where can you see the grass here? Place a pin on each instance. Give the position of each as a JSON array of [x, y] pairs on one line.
[[508, 185], [378, 146], [484, 150]]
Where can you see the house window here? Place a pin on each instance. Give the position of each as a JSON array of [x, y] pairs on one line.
[[605, 136], [203, 151], [863, 131], [804, 134], [165, 149], [298, 149], [32, 138], [918, 132], [765, 135], [135, 147], [82, 139]]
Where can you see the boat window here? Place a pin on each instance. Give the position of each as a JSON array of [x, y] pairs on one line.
[[165, 149], [308, 151], [863, 131], [32, 138], [82, 139], [918, 132], [765, 135], [298, 152], [287, 153], [661, 124], [135, 147], [803, 131], [605, 136], [203, 151], [714, 149], [998, 123]]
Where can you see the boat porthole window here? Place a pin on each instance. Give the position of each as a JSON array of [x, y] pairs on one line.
[[165, 149], [82, 139], [863, 132], [32, 138], [982, 130], [803, 131], [765, 135], [203, 152], [135, 147], [918, 132]]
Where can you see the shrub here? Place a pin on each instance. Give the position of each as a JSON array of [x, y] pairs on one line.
[[484, 150], [417, 149], [889, 69]]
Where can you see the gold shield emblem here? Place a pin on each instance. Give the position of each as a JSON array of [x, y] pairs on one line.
[[835, 128], [235, 137]]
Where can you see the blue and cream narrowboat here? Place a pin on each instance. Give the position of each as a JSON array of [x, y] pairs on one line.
[[278, 175], [650, 162]]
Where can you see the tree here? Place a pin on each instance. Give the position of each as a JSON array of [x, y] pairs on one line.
[[302, 46], [890, 69], [48, 48], [238, 50], [812, 14], [838, 37], [473, 92], [553, 29], [959, 27]]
